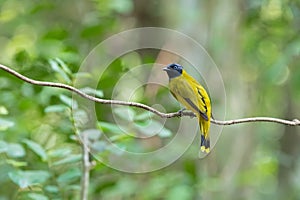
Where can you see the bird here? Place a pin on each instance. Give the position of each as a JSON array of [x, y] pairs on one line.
[[192, 96]]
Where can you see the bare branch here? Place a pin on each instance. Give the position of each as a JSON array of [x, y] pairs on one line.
[[86, 166], [294, 122]]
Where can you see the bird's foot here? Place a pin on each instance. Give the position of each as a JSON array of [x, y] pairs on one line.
[[181, 112]]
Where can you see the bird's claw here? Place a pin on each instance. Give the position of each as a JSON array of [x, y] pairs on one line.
[[181, 112]]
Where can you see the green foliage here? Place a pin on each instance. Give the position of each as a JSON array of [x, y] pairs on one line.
[[26, 179], [36, 148], [5, 124]]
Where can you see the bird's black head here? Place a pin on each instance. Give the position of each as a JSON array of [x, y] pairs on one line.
[[173, 70]]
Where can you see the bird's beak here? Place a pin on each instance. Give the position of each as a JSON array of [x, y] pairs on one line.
[[166, 69]]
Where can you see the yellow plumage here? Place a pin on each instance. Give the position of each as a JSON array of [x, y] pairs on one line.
[[194, 97]]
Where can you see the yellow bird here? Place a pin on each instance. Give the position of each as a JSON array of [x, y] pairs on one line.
[[193, 96]]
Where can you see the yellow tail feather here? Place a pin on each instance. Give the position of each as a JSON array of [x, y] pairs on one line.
[[205, 141]]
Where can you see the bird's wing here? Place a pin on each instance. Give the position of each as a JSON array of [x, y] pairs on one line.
[[203, 100], [192, 94]]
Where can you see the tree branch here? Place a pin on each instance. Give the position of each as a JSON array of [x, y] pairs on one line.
[[86, 166], [294, 122]]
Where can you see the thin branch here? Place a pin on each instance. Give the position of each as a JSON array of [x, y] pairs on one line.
[[294, 122], [86, 166]]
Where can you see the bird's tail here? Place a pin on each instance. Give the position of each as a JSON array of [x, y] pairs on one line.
[[205, 142]]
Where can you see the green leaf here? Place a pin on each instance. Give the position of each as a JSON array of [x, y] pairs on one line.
[[3, 146], [92, 134], [52, 189], [27, 90], [109, 127], [81, 118], [56, 67], [117, 151], [82, 75], [122, 6], [15, 150], [16, 163], [73, 188], [68, 101], [69, 176], [165, 133], [5, 124], [3, 110], [125, 113], [62, 152], [69, 159], [22, 58], [25, 179], [55, 108], [36, 196], [91, 31], [150, 127], [144, 116], [91, 91], [117, 138], [36, 148], [63, 66], [180, 192], [98, 146]]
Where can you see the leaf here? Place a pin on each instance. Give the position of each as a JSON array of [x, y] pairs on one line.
[[117, 151], [152, 128], [91, 91], [109, 127], [63, 66], [25, 179], [36, 148], [91, 31], [55, 108], [15, 150], [52, 189], [55, 66], [69, 176], [16, 163], [144, 116], [3, 110], [73, 188], [126, 113], [165, 133], [69, 159], [98, 146], [179, 192], [63, 152], [27, 90], [68, 101], [92, 134], [5, 124], [149, 128], [82, 75], [122, 6], [117, 138], [81, 118], [36, 196], [22, 57], [3, 146]]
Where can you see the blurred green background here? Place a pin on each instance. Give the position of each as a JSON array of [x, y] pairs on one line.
[[255, 44]]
